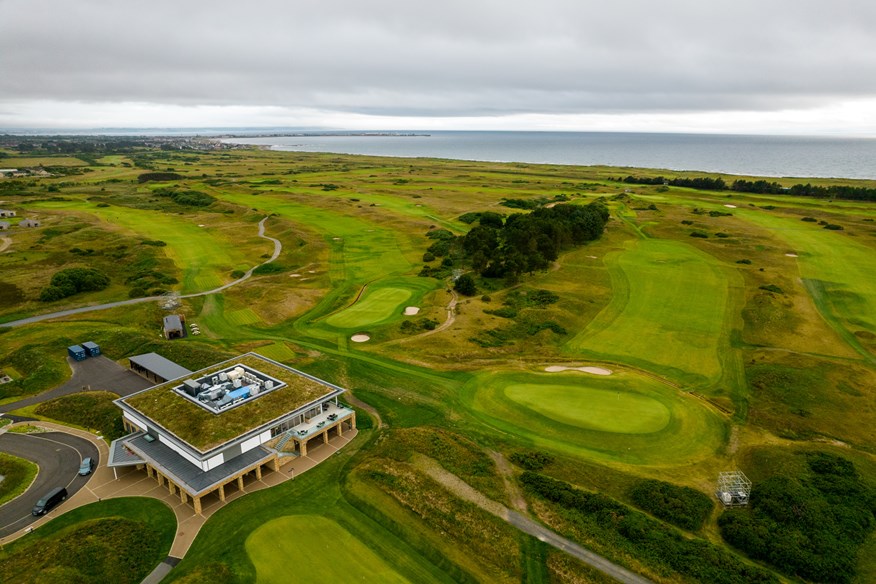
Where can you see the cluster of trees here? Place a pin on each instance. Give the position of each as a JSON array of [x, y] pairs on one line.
[[72, 281], [682, 506], [809, 527], [159, 176], [635, 534], [761, 187], [530, 242], [187, 198]]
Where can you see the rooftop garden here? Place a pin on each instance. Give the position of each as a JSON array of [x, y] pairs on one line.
[[205, 430]]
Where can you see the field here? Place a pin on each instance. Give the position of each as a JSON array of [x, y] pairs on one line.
[[738, 336], [311, 555]]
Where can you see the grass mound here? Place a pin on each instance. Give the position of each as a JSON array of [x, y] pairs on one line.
[[304, 555], [94, 410], [18, 474]]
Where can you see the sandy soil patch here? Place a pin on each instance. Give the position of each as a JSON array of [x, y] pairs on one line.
[[201, 225], [593, 257], [360, 338], [336, 238], [791, 255], [411, 310], [730, 206], [311, 271], [294, 275], [591, 370]]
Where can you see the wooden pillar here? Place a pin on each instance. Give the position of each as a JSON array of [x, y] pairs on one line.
[[258, 470], [222, 493], [197, 505], [240, 482]]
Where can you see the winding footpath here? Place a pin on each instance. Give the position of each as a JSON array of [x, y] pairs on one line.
[[278, 247]]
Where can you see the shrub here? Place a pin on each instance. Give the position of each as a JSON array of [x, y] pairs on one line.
[[72, 281], [833, 227], [503, 312], [428, 257], [747, 262], [159, 176], [465, 285], [469, 218], [686, 222], [237, 274], [682, 506], [722, 235], [265, 269], [772, 288], [809, 219], [531, 460], [699, 234]]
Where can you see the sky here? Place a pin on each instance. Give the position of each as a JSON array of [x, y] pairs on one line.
[[761, 67]]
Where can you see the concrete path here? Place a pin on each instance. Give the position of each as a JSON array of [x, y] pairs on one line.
[[463, 490], [278, 247], [93, 374]]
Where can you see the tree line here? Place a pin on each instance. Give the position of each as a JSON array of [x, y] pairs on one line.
[[761, 187]]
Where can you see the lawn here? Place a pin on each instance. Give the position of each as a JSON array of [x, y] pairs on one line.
[[670, 312], [380, 303], [310, 546], [624, 417]]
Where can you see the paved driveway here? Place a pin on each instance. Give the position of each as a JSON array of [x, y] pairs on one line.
[[95, 373], [58, 456]]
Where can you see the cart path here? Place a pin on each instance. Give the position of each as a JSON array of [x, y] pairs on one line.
[[5, 242], [278, 248], [463, 490]]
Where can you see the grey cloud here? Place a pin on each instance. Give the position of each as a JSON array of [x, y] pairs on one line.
[[451, 58]]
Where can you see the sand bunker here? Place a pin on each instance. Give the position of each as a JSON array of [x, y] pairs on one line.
[[730, 206], [336, 238], [294, 275], [201, 225], [411, 310], [360, 338], [791, 255], [593, 257], [591, 370], [311, 271]]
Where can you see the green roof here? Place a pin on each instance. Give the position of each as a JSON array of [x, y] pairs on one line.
[[205, 430]]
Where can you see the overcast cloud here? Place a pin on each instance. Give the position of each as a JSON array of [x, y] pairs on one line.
[[772, 65]]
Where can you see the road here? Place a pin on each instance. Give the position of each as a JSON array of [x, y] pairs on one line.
[[58, 456], [278, 247]]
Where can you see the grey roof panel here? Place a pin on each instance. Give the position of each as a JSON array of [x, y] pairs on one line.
[[160, 366], [184, 473], [121, 455], [172, 321]]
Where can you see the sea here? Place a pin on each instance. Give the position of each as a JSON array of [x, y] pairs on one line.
[[769, 156]]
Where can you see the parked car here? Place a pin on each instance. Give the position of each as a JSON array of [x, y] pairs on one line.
[[49, 502], [86, 467]]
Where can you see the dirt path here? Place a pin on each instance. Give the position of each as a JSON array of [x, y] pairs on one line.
[[464, 491], [278, 247], [5, 242], [515, 495], [368, 408], [451, 318]]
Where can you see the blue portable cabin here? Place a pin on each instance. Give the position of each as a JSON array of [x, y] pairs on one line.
[[93, 349], [77, 352]]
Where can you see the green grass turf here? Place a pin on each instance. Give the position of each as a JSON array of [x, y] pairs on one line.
[[314, 549], [206, 257], [670, 312], [591, 408], [375, 307], [682, 428], [838, 270]]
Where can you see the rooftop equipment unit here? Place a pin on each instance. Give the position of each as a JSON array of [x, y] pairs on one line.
[[236, 383], [223, 376], [191, 387], [215, 380], [269, 384]]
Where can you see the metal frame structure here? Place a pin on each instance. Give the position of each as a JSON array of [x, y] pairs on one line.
[[734, 488]]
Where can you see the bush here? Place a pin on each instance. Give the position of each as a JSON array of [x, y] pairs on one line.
[[266, 269], [469, 218], [746, 262], [465, 285], [504, 312], [772, 288], [237, 274], [531, 460], [699, 234], [428, 257], [809, 219], [72, 281], [159, 176], [682, 506]]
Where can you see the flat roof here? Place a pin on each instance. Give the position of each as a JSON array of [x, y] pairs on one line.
[[204, 430], [160, 366]]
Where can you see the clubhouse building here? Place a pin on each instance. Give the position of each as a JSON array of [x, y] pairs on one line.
[[205, 431]]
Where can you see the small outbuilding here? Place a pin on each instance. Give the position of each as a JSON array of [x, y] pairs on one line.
[[93, 349], [4, 225], [7, 213], [77, 353], [156, 368], [173, 327], [29, 223]]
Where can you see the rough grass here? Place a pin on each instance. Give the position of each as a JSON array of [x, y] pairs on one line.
[[93, 410], [306, 544], [115, 541]]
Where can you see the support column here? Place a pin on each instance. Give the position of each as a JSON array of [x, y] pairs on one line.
[[325, 437], [183, 497], [276, 462], [258, 470], [222, 493], [148, 471], [115, 473], [341, 428], [303, 446], [240, 482], [353, 421], [197, 505], [171, 487]]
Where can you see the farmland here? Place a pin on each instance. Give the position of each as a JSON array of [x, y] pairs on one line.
[[734, 334]]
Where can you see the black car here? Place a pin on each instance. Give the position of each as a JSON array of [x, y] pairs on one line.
[[48, 502]]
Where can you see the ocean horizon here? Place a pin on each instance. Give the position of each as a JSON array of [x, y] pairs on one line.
[[751, 155]]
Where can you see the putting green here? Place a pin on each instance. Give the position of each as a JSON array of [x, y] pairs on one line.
[[311, 548], [596, 409], [377, 306], [670, 312], [626, 417]]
